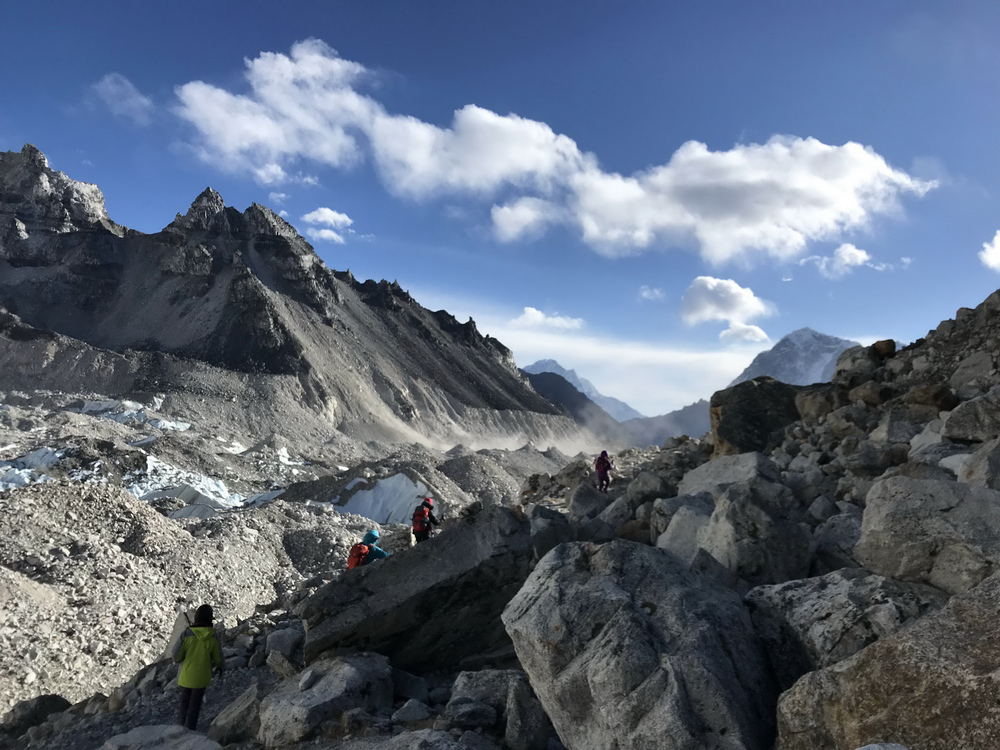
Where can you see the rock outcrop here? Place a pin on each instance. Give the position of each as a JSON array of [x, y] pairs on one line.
[[627, 648], [745, 416], [407, 606], [930, 686]]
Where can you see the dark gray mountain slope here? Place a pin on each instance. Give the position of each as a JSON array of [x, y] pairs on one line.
[[619, 410], [243, 293], [564, 394]]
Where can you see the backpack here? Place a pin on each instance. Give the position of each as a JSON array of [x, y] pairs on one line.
[[420, 517], [358, 556], [603, 464]]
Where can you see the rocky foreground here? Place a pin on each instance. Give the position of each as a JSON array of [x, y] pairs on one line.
[[820, 572]]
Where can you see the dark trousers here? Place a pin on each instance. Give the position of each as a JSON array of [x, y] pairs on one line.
[[190, 707], [422, 536]]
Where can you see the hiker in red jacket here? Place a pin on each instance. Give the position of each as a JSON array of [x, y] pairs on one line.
[[604, 466], [424, 520]]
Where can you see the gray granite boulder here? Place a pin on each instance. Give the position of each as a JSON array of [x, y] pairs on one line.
[[626, 647]]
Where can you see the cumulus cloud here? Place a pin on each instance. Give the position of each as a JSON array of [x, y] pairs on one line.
[[328, 217], [990, 254], [845, 259], [653, 376], [650, 293], [534, 318], [523, 219], [711, 299], [771, 198], [325, 235], [124, 99], [322, 219], [277, 199]]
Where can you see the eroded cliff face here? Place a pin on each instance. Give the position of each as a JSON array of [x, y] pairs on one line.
[[243, 292]]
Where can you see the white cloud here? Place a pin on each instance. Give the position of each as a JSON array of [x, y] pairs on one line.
[[324, 235], [328, 217], [743, 332], [771, 198], [654, 377], [846, 258], [124, 99], [650, 293], [905, 262], [990, 254], [710, 299], [533, 318], [277, 199], [523, 219]]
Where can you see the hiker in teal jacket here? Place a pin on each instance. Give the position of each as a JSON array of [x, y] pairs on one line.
[[197, 651]]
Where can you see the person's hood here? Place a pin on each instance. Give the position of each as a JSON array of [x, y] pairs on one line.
[[203, 633], [370, 538]]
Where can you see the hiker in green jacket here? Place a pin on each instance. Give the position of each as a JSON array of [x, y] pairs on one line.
[[198, 651]]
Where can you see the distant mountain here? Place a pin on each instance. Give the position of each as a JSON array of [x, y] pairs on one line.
[[692, 420], [800, 358], [573, 402], [617, 409], [239, 300]]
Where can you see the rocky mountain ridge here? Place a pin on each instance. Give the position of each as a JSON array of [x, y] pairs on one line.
[[801, 357], [618, 409], [821, 572], [246, 300]]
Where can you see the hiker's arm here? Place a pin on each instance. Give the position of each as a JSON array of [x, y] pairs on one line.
[[217, 653], [377, 553], [179, 647]]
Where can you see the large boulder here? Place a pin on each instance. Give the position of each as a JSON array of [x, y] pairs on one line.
[[290, 714], [406, 606], [663, 510], [30, 713], [931, 686], [816, 622], [721, 472], [745, 416], [549, 528], [587, 501], [983, 469], [628, 648], [943, 533], [239, 721], [520, 716], [160, 737], [754, 534], [976, 420]]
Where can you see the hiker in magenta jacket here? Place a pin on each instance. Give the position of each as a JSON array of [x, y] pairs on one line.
[[197, 651]]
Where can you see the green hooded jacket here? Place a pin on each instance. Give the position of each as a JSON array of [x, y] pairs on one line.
[[198, 649]]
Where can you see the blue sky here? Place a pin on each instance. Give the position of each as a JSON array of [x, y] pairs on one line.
[[648, 192]]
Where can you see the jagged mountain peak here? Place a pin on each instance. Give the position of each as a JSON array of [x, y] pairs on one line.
[[40, 198], [801, 357], [619, 410]]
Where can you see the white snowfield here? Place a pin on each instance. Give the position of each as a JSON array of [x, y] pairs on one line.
[[390, 500], [131, 413], [28, 469]]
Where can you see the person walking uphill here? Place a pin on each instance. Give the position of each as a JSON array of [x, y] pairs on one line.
[[197, 651], [603, 465], [366, 551], [424, 520]]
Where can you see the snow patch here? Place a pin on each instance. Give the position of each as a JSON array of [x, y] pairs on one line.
[[160, 479], [131, 413], [391, 500]]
